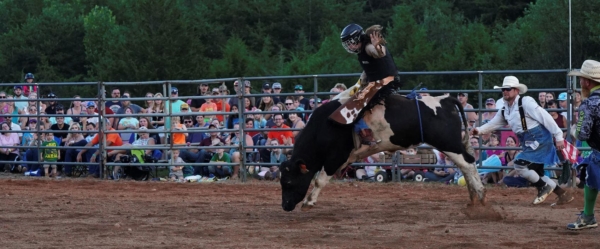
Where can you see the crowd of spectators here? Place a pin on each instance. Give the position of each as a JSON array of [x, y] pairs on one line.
[[193, 125]]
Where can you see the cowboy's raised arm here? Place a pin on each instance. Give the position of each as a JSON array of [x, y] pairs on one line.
[[497, 122]]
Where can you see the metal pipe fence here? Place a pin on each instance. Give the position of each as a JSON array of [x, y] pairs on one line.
[[240, 95]]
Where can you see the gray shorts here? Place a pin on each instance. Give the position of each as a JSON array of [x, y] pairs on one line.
[[177, 175], [49, 165]]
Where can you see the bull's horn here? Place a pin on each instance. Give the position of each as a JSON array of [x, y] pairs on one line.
[[303, 168]]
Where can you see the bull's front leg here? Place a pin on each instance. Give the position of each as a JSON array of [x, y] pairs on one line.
[[474, 185], [320, 182]]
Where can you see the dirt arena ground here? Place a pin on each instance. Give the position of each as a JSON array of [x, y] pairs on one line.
[[38, 213]]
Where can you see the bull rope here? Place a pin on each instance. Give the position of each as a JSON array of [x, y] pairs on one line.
[[413, 95]]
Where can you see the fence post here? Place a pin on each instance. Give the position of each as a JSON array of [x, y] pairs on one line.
[[101, 128], [242, 146]]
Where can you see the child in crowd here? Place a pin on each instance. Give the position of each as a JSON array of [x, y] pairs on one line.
[[178, 138], [494, 142], [49, 153], [176, 171], [220, 171], [408, 172]]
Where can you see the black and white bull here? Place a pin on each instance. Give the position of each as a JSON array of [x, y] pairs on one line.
[[328, 146]]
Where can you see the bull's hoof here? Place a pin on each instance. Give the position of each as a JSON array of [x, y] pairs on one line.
[[306, 207]]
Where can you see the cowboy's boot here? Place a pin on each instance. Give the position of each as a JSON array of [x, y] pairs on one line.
[[367, 142]]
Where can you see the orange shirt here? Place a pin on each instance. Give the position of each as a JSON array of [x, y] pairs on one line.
[[178, 138], [208, 107], [113, 138], [220, 109], [274, 134]]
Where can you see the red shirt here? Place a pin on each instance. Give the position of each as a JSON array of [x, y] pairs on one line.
[[275, 134], [220, 109]]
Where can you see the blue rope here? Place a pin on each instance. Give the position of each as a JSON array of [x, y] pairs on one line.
[[420, 120], [413, 95]]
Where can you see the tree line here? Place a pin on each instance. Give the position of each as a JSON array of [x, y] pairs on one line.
[[145, 40]]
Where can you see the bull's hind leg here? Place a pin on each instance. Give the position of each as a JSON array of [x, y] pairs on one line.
[[320, 182], [476, 188]]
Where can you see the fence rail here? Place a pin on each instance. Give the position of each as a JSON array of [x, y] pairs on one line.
[[101, 100]]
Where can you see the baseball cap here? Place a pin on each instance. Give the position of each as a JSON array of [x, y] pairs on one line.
[[463, 94], [174, 90], [90, 104], [266, 86], [204, 84], [185, 105], [212, 126], [424, 89], [247, 83], [32, 120], [18, 86], [318, 100], [490, 101], [276, 85], [562, 96], [60, 107], [215, 90], [298, 87]]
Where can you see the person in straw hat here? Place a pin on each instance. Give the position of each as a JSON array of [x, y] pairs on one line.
[[588, 129], [536, 138]]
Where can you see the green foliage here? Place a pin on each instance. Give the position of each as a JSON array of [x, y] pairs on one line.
[[144, 40]]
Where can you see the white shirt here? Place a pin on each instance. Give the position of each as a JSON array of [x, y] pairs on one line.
[[534, 116], [16, 127]]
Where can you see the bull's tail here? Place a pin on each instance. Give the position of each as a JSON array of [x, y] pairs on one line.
[[469, 152]]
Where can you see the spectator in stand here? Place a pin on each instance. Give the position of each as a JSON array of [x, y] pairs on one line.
[[209, 105], [159, 121], [13, 126], [334, 92], [145, 122], [276, 93], [89, 110], [51, 106], [249, 124], [236, 88], [441, 174], [28, 137], [408, 172], [3, 106], [479, 157], [196, 133], [50, 154], [176, 170], [220, 171], [219, 102], [576, 100], [277, 156], [71, 154], [560, 120], [143, 139], [32, 154], [265, 105], [463, 98], [27, 90], [302, 102], [234, 140], [248, 105], [297, 122], [490, 104], [365, 172], [423, 93], [341, 86], [148, 103], [107, 111], [508, 156], [185, 109], [201, 121], [112, 139], [33, 103], [266, 89], [494, 176], [233, 118], [203, 155], [247, 91], [20, 100], [175, 105], [126, 103], [259, 121], [562, 103], [60, 110], [278, 135], [202, 90], [128, 123], [75, 109], [178, 137], [8, 138], [542, 99], [114, 105], [44, 121], [73, 139], [494, 142], [12, 109], [270, 121], [549, 96]]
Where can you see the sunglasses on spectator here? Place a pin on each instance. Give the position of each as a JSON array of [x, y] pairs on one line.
[[184, 109], [507, 89], [2, 97], [279, 119], [33, 122], [188, 122], [289, 103]]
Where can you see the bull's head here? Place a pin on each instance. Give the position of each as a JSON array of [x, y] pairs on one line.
[[295, 180]]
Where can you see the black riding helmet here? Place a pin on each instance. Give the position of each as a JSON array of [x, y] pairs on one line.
[[352, 34]]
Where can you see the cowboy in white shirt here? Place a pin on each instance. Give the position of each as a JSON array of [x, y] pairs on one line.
[[538, 148]]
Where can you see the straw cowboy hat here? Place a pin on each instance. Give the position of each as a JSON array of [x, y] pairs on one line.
[[589, 70], [512, 82]]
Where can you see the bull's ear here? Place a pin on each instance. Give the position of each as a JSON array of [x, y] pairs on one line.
[[302, 166]]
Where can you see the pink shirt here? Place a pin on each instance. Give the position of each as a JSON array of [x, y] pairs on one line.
[[11, 140]]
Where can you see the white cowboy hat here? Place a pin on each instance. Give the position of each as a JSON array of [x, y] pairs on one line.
[[589, 70], [512, 82]]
